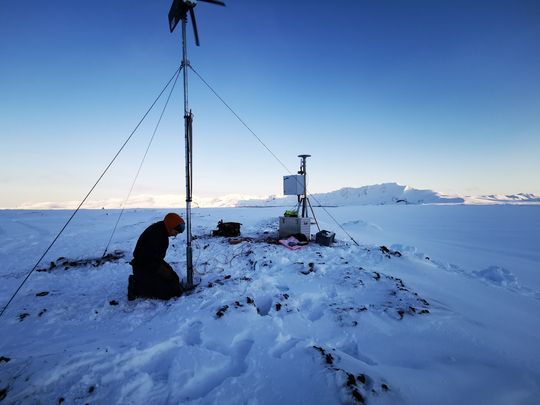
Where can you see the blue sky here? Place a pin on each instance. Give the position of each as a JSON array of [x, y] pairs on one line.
[[433, 94]]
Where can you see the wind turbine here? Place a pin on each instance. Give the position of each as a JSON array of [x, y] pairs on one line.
[[178, 12]]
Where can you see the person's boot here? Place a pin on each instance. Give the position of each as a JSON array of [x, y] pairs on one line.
[[132, 288]]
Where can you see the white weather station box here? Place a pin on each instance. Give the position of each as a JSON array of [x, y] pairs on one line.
[[293, 185], [298, 221]]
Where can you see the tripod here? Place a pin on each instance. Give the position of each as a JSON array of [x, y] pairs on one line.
[[303, 199]]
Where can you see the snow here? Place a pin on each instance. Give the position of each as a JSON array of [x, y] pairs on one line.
[[377, 194], [447, 314]]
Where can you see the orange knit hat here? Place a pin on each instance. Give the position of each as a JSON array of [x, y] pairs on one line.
[[172, 220]]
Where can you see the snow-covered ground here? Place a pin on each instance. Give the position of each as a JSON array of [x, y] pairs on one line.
[[453, 318]]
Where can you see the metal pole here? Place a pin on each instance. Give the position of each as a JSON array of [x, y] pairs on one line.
[[187, 125], [303, 170]]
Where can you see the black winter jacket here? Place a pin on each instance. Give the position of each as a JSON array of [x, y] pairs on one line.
[[151, 249]]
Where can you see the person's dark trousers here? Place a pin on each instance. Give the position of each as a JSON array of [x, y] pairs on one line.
[[163, 285]]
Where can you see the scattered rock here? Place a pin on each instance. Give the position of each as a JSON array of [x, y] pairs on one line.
[[221, 311], [278, 306], [250, 300], [42, 294], [310, 269], [357, 396], [4, 359], [351, 380], [23, 315], [329, 358], [389, 252], [61, 400], [423, 301], [91, 389], [42, 312], [352, 383], [113, 302], [3, 393], [320, 349], [94, 262]]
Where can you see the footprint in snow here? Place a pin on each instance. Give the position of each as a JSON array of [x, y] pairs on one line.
[[192, 336]]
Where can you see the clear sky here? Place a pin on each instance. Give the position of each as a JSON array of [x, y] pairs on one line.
[[439, 94]]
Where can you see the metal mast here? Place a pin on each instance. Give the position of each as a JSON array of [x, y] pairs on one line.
[[304, 173], [178, 12], [188, 119]]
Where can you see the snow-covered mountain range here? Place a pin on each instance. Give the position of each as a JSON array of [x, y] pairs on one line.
[[388, 194], [377, 194]]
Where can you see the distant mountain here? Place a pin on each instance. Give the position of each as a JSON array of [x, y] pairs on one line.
[[378, 194], [521, 198]]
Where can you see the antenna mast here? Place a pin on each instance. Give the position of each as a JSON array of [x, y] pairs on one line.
[[178, 12]]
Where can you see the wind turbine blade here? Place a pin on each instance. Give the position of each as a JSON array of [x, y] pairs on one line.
[[174, 15], [192, 13], [219, 3]]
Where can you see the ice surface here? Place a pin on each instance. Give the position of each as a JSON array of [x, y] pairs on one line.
[[452, 319]]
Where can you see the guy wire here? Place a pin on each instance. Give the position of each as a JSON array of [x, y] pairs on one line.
[[267, 148], [88, 194], [141, 164]]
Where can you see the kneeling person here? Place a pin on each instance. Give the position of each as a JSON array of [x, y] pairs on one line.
[[152, 276]]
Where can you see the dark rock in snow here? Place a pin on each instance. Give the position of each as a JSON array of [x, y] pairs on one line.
[[113, 302], [3, 393], [23, 315], [42, 294], [351, 380], [221, 311], [4, 359], [329, 358], [357, 396], [311, 269], [389, 252]]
